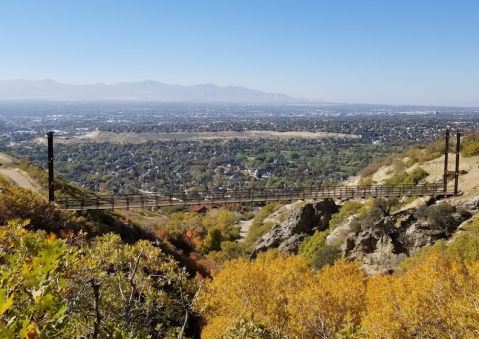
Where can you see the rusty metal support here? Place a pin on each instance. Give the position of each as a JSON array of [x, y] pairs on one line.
[[51, 180], [446, 154], [456, 172]]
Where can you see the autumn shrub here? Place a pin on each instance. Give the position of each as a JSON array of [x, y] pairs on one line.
[[410, 162], [247, 328], [229, 250], [472, 227], [286, 298], [330, 300], [212, 241], [398, 165], [33, 283], [434, 299], [106, 290], [4, 182], [141, 288], [21, 203], [416, 154]]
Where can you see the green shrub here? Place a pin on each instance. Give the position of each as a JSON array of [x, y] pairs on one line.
[[396, 179], [404, 178], [326, 255], [440, 215], [470, 150], [311, 245], [255, 233], [465, 248], [470, 145], [349, 208], [410, 162], [366, 181], [258, 228], [415, 176]]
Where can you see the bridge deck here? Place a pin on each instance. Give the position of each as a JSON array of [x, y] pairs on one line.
[[110, 202]]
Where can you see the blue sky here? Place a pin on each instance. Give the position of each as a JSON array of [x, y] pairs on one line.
[[398, 52]]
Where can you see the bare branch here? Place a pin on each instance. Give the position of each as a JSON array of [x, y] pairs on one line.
[[95, 284], [119, 284], [133, 290], [192, 303], [187, 306]]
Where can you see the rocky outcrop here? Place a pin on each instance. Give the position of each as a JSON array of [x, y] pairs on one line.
[[302, 222], [384, 244], [471, 203]]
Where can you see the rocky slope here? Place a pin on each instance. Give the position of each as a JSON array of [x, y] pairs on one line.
[[302, 222], [382, 245]]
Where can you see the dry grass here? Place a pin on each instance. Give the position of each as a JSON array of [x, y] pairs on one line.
[[99, 136]]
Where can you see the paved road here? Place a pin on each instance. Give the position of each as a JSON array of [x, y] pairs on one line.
[[17, 178]]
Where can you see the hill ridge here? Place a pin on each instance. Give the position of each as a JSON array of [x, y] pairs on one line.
[[48, 89]]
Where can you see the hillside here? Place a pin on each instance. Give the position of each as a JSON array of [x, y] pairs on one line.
[[429, 158], [321, 268]]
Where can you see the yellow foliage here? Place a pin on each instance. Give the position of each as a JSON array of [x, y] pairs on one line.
[[31, 332], [262, 287], [437, 298], [329, 300], [283, 295]]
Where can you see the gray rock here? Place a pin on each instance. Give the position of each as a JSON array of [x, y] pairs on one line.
[[470, 203], [382, 246], [302, 222]]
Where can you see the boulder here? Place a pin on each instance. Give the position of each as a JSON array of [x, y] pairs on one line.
[[384, 244], [302, 222], [471, 203]]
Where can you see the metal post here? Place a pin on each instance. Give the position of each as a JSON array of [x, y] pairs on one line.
[[446, 153], [51, 187], [456, 172]]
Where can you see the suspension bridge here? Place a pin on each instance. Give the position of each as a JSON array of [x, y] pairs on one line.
[[251, 195]]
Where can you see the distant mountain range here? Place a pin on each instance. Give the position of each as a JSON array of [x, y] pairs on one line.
[[145, 90]]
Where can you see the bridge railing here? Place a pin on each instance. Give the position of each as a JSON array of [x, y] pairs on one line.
[[251, 195]]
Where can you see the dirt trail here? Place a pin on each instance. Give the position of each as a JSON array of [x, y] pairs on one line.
[[245, 225], [17, 178]]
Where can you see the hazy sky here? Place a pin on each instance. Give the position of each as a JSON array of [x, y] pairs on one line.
[[385, 51]]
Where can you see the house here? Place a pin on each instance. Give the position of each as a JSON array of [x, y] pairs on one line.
[[234, 179], [203, 208], [263, 173]]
